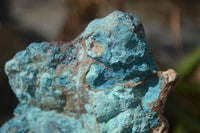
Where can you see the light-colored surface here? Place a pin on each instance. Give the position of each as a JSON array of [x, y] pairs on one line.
[[45, 17]]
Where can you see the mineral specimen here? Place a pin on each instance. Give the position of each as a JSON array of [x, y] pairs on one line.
[[105, 81]]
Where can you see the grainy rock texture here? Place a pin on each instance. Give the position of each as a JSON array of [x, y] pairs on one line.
[[105, 81]]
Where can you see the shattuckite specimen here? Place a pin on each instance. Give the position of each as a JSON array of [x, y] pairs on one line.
[[104, 81]]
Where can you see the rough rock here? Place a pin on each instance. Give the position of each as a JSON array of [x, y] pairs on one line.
[[104, 81]]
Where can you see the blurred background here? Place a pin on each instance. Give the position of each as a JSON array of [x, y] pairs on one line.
[[172, 29]]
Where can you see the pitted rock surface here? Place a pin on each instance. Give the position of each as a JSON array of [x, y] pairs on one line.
[[104, 81]]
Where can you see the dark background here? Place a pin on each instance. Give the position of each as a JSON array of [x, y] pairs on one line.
[[172, 29]]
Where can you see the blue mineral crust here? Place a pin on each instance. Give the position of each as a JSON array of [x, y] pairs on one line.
[[104, 81]]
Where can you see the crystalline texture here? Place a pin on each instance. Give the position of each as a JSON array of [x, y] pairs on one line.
[[103, 81]]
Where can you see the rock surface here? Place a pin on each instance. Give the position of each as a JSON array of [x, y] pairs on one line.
[[105, 81]]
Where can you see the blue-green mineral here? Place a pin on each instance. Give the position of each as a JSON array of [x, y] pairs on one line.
[[104, 81]]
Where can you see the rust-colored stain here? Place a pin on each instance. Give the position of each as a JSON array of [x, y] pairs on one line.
[[96, 48]]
